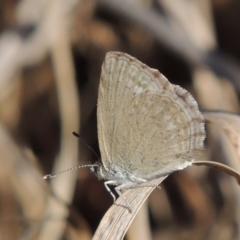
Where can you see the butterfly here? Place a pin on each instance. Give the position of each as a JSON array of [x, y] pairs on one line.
[[147, 127]]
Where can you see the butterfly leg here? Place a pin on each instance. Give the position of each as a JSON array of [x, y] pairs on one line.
[[118, 190], [141, 180], [109, 190], [136, 179]]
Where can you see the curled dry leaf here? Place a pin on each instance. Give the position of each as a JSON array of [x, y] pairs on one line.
[[117, 220], [230, 123], [230, 171]]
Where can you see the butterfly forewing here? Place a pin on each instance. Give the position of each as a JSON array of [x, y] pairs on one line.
[[144, 120]]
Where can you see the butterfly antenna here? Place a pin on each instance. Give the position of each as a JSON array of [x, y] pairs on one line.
[[90, 148], [77, 167], [69, 169]]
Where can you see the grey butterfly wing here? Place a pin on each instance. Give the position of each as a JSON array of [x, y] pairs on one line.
[[146, 126]]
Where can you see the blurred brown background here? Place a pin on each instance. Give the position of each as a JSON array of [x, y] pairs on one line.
[[51, 53]]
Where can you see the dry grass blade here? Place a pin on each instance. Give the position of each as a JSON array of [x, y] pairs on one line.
[[157, 25], [19, 174], [62, 61], [117, 220], [178, 13], [230, 171], [230, 123]]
